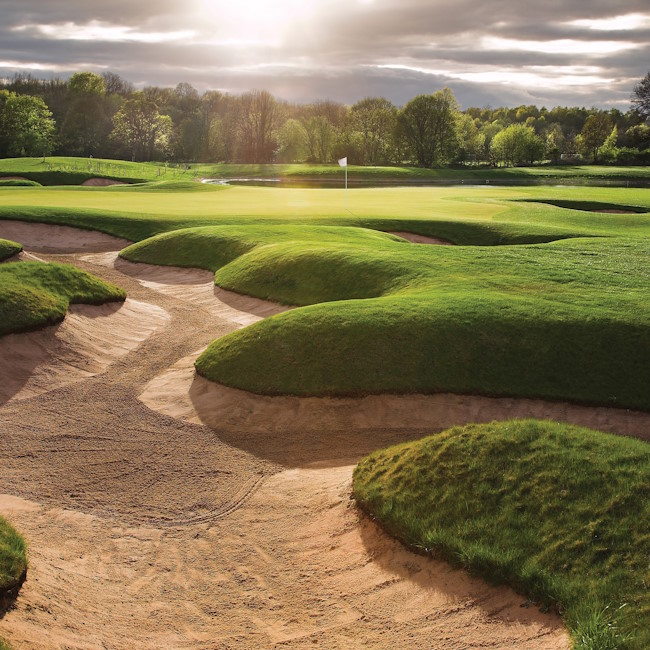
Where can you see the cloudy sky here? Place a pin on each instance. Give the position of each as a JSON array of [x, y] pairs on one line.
[[491, 52]]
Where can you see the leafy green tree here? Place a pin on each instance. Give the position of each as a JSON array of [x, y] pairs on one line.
[[471, 143], [641, 97], [87, 83], [609, 151], [594, 133], [517, 145], [86, 126], [141, 128], [374, 119], [26, 126], [321, 136], [430, 126], [292, 141]]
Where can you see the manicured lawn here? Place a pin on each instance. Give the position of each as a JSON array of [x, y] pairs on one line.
[[8, 249], [35, 294], [559, 512], [563, 314], [70, 170]]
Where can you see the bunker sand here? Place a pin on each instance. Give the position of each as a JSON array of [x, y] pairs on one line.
[[50, 238], [151, 531]]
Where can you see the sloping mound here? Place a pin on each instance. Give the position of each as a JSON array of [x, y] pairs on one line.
[[13, 562], [36, 294], [559, 512], [9, 249]]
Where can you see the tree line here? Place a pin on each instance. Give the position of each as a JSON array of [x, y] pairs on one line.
[[104, 116]]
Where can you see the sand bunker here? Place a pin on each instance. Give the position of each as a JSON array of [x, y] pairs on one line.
[[195, 286], [261, 423], [13, 178], [101, 182], [297, 565], [50, 238], [420, 239], [85, 343]]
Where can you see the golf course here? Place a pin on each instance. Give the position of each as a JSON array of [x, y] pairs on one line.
[[423, 407]]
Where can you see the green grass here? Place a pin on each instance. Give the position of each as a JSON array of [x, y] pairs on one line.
[[559, 512], [35, 294], [15, 182], [9, 249], [562, 315], [73, 171], [13, 559]]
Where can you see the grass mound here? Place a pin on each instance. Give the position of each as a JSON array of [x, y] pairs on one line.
[[430, 319], [9, 248], [35, 294], [13, 560], [559, 512], [15, 182]]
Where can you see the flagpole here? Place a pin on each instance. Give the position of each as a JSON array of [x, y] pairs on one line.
[[346, 186]]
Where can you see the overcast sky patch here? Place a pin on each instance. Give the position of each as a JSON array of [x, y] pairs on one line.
[[586, 52]]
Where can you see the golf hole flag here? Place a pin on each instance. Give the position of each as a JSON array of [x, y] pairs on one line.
[[343, 162]]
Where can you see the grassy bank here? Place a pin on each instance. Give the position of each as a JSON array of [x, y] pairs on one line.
[[9, 249], [559, 512], [13, 559], [34, 294], [73, 171]]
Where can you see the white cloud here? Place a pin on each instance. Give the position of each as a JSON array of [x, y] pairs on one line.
[[99, 31], [556, 46], [613, 24]]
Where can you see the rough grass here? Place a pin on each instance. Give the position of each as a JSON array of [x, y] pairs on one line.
[[35, 294], [13, 559], [8, 249], [559, 512]]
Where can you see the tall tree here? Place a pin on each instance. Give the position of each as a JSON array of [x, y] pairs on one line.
[[85, 126], [374, 119], [139, 126], [258, 120], [641, 97], [594, 133], [26, 126], [429, 124]]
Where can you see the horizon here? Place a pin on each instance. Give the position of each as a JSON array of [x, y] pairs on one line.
[[496, 54]]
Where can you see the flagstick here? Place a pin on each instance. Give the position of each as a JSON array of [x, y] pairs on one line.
[[346, 186]]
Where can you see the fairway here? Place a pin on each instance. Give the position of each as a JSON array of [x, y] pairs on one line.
[[542, 296]]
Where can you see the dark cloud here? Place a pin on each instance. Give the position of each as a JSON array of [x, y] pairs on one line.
[[341, 51]]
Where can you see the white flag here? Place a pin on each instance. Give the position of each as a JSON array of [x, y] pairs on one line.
[[343, 162]]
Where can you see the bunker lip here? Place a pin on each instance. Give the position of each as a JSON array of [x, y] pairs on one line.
[[101, 182], [414, 238], [50, 238], [85, 343]]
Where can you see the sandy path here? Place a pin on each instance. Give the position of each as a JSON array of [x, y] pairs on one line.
[[148, 531]]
